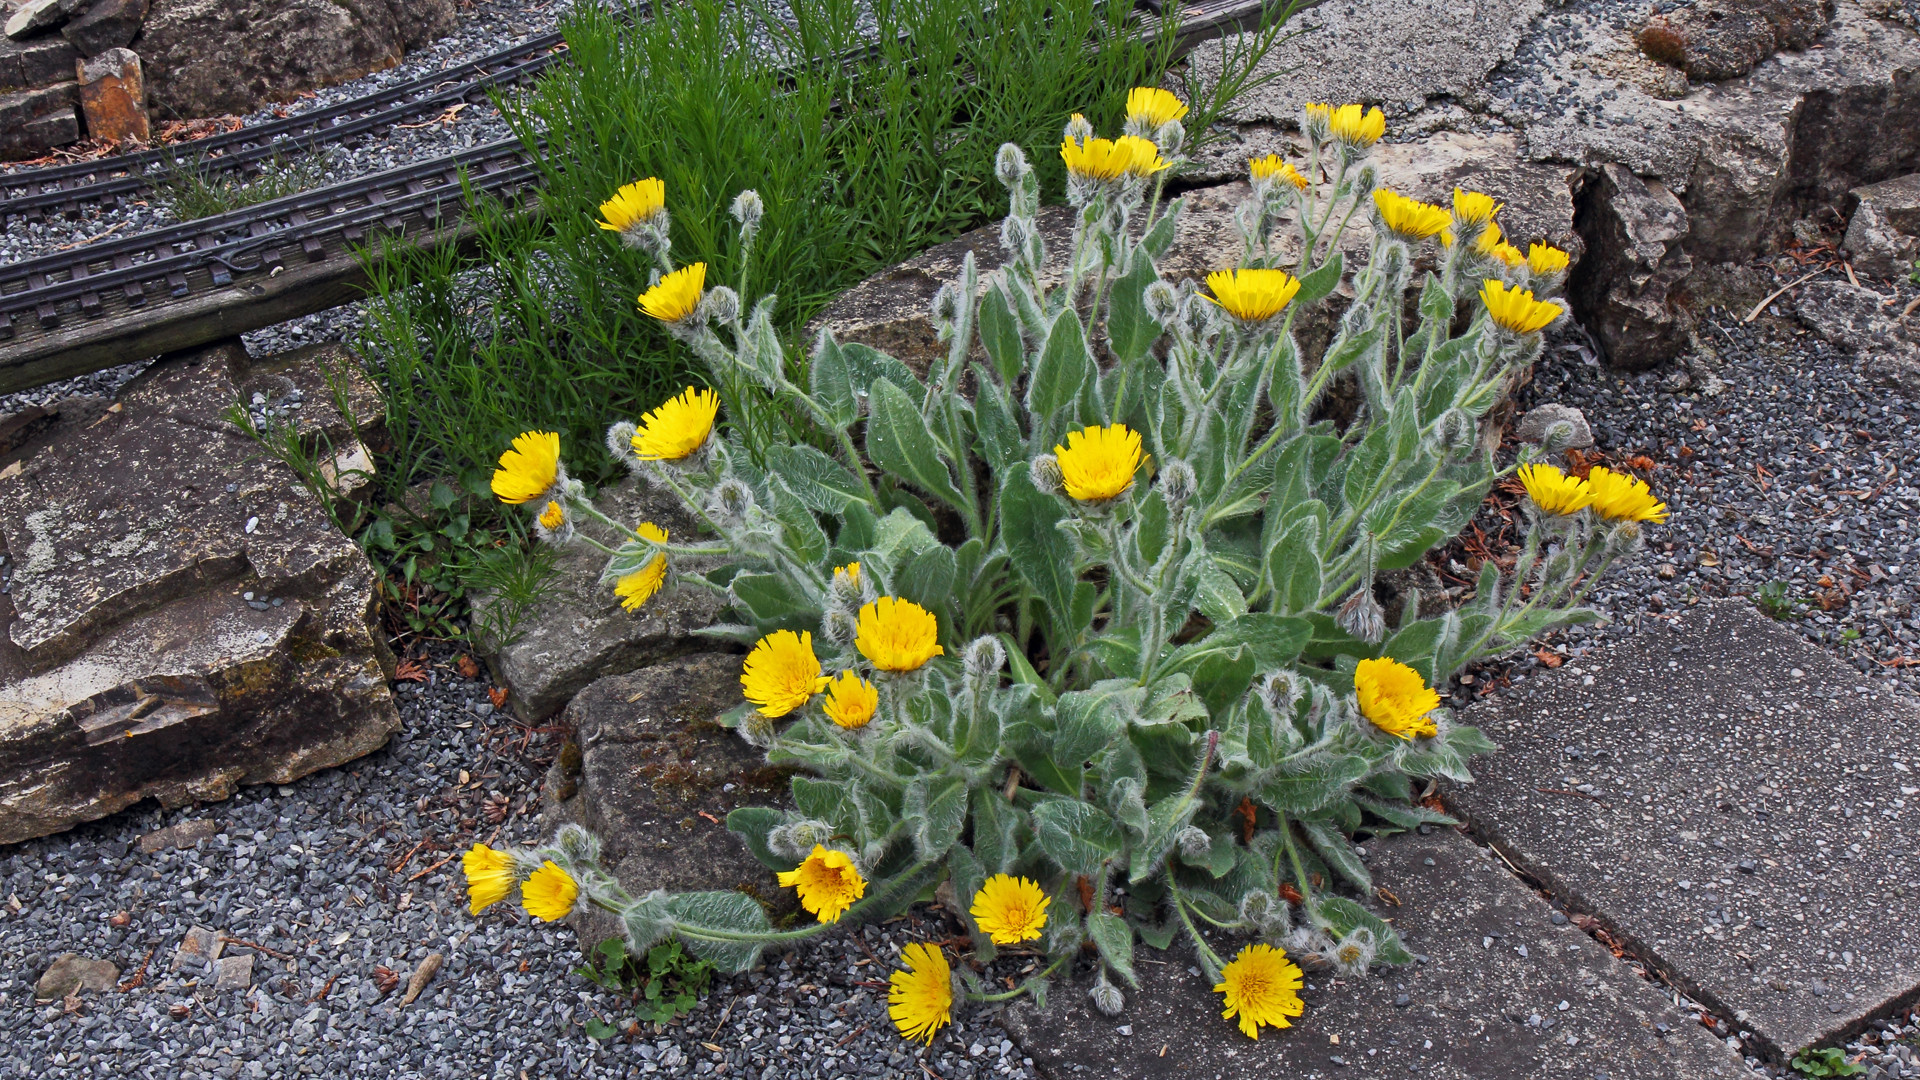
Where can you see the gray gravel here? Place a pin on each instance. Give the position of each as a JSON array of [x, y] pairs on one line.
[[322, 881]]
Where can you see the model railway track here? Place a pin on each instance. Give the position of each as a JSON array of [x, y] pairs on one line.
[[71, 312]]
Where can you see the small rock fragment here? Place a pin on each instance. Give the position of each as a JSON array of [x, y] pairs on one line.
[[234, 972], [113, 97], [71, 973], [183, 834], [200, 945]]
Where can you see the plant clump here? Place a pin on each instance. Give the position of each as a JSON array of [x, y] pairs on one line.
[[1082, 623]]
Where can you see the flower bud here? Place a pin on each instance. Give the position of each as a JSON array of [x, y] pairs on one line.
[[747, 209], [1363, 617], [1046, 474], [1365, 180], [1281, 692], [1078, 128], [1624, 539], [1558, 436], [1162, 302], [946, 309], [1177, 483], [1194, 842], [757, 730], [721, 304], [620, 443], [1171, 137], [1270, 915], [985, 657], [1353, 956], [732, 501], [1457, 431], [1010, 165], [1014, 235], [1106, 996], [840, 627], [578, 845]]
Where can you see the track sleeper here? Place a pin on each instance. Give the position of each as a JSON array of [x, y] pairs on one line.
[[134, 293]]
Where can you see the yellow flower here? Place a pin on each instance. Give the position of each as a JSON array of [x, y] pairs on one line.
[[678, 427], [851, 701], [781, 673], [1272, 166], [1554, 491], [677, 296], [1471, 208], [633, 204], [553, 516], [489, 876], [1099, 462], [1488, 241], [637, 588], [1516, 309], [1252, 296], [1509, 254], [1356, 128], [1395, 698], [1096, 159], [549, 893], [1410, 218], [897, 635], [1151, 107], [1146, 158], [828, 883], [920, 999], [1010, 910], [1545, 259], [529, 470], [1262, 987], [1623, 497], [851, 572]]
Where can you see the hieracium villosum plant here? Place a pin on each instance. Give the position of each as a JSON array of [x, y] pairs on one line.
[[1082, 621]]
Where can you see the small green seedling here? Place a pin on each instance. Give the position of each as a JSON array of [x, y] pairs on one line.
[[1775, 602], [666, 983], [1826, 1061]]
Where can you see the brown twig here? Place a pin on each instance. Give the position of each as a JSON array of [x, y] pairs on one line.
[[852, 1035], [139, 976], [257, 947], [434, 867], [408, 857], [1575, 794], [325, 990], [1775, 294]]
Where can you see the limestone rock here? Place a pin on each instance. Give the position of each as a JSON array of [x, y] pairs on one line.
[[134, 665], [35, 16], [1857, 321], [651, 774], [113, 97], [577, 631], [29, 65], [1623, 291], [1712, 40], [71, 973], [209, 57], [33, 121], [107, 24], [1883, 236]]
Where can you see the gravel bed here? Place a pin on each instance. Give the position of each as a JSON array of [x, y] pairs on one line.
[[325, 881], [485, 26]]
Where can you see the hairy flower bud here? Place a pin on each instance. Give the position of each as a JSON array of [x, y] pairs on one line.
[[1106, 996], [1014, 235], [732, 501], [1457, 431], [1194, 842], [1078, 128], [1270, 915], [577, 844], [946, 309], [1558, 436], [620, 444], [1046, 474], [1353, 956], [1162, 302], [1171, 137], [1281, 692], [721, 304], [840, 627], [985, 657], [1177, 483], [1624, 538], [757, 729], [1010, 165], [1365, 180], [747, 209], [1363, 617]]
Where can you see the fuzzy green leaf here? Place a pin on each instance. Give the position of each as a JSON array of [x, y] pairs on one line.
[[821, 483], [1040, 553], [868, 366], [898, 443], [1077, 836], [752, 824], [725, 911], [1114, 938], [937, 809], [1130, 332], [1000, 335], [1345, 915], [1306, 786], [1054, 390], [1319, 282], [831, 382], [1338, 853]]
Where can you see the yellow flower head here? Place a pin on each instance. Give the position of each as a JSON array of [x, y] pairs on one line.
[[850, 700], [1009, 909], [1554, 491], [1488, 240], [530, 469], [1099, 462], [1545, 259], [1252, 296], [920, 999], [1096, 159], [828, 883], [1410, 218], [489, 876], [637, 588], [1273, 166], [1150, 106], [1145, 159], [1395, 698], [633, 204], [781, 673], [1262, 987], [1350, 125], [1516, 309], [1509, 254], [1471, 208], [851, 572], [678, 427], [549, 892], [1624, 497], [676, 296], [897, 635], [553, 516]]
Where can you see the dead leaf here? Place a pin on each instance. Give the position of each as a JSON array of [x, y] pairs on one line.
[[497, 695], [467, 666], [385, 979], [1549, 658], [410, 670], [418, 981]]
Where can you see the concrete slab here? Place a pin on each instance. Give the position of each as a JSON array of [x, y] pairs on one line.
[[1500, 993], [1732, 804]]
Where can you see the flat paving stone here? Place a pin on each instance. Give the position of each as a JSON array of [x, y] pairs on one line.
[[1731, 804], [1498, 993]]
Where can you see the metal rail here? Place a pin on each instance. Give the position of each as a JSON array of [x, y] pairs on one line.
[[68, 313]]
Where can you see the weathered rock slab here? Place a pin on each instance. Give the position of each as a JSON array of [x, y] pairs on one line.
[[183, 617], [107, 24], [1883, 234], [36, 63], [1501, 993], [211, 57], [651, 774], [1732, 805], [1859, 321], [71, 973], [577, 630], [113, 97]]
